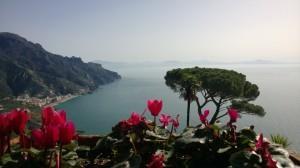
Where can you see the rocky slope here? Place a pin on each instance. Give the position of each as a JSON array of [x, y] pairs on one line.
[[27, 68]]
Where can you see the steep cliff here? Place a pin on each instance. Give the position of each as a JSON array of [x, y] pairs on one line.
[[27, 68]]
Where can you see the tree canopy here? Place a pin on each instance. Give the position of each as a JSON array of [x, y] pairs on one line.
[[224, 88]]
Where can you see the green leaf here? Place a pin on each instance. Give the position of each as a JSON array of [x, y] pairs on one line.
[[255, 158], [135, 161], [70, 156], [239, 159], [16, 155], [71, 147], [169, 153], [223, 150], [133, 137], [244, 159], [34, 152], [6, 158], [72, 162], [124, 164], [153, 135], [250, 134], [83, 151]]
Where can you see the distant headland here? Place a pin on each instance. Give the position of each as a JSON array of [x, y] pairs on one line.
[[28, 70]]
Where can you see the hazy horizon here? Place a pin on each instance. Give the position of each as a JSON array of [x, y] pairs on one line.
[[122, 31]]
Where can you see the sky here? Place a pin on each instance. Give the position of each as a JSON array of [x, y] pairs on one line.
[[151, 30]]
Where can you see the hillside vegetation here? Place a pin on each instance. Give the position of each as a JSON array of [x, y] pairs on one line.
[[26, 68]]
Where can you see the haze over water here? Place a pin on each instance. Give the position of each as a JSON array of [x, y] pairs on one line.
[[279, 86]]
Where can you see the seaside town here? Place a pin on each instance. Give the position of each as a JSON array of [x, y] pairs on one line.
[[44, 101], [35, 101]]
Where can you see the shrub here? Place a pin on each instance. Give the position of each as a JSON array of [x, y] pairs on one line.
[[281, 140]]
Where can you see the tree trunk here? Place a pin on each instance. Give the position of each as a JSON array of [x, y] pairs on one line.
[[198, 105], [214, 118], [188, 112]]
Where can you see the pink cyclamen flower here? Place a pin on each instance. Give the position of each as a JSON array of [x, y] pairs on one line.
[[46, 138], [124, 125], [165, 119], [67, 132], [38, 138], [155, 106], [262, 147], [134, 119], [233, 115], [5, 130], [58, 118], [51, 136], [270, 162], [175, 122], [156, 161], [19, 119], [52, 117], [47, 113], [5, 124], [62, 114], [203, 117], [260, 141]]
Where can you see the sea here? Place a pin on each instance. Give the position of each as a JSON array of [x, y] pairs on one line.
[[279, 86]]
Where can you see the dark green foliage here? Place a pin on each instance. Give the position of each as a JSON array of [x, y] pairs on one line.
[[36, 158], [251, 91], [210, 146], [246, 107], [27, 68], [224, 83], [133, 147], [220, 86], [202, 146], [245, 159], [186, 84], [219, 82]]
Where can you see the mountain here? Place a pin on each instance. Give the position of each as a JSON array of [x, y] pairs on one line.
[[26, 68]]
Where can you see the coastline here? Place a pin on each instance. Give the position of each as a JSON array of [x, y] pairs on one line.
[[62, 100]]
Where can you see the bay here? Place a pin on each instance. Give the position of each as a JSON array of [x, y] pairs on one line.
[[279, 86]]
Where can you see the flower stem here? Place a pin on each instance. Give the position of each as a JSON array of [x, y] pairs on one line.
[[50, 160], [2, 145], [22, 140], [154, 123], [45, 156], [172, 128], [8, 143], [59, 155], [58, 158]]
